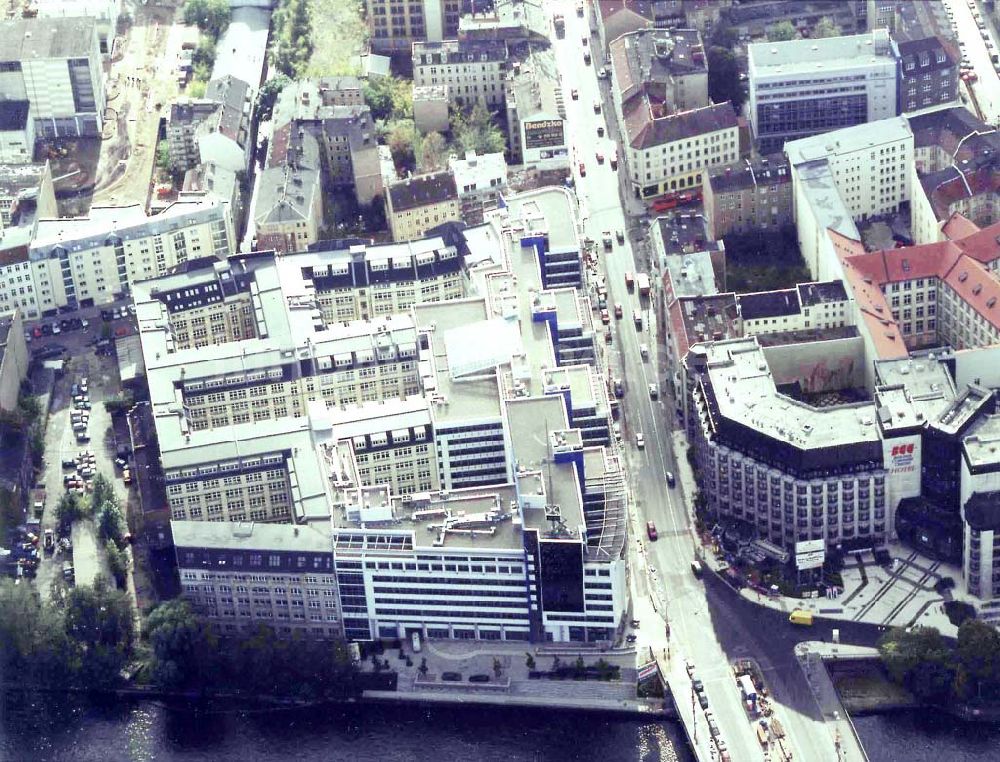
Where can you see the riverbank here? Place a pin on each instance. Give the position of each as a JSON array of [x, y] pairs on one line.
[[637, 708], [864, 687]]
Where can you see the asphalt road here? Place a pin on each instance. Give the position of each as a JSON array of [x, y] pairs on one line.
[[987, 89], [710, 624]]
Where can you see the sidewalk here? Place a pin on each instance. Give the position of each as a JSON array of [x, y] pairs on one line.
[[810, 657]]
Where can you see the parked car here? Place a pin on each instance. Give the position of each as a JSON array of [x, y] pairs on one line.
[[451, 677], [640, 440], [479, 678]]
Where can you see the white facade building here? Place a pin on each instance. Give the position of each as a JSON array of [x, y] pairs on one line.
[[807, 87]]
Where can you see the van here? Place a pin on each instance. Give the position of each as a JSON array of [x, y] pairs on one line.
[[637, 319], [801, 617]]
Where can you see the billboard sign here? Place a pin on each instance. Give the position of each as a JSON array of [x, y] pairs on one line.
[[901, 458], [810, 554], [546, 133]]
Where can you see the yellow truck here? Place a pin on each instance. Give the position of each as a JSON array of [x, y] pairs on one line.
[[801, 617]]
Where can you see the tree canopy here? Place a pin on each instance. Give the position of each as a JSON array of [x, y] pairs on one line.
[[389, 98], [268, 95], [724, 78], [826, 27], [781, 32], [476, 131], [433, 152], [291, 35], [210, 16]]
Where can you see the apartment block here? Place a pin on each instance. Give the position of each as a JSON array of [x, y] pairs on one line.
[[332, 110], [13, 360], [55, 65], [241, 575], [288, 211], [615, 19], [660, 89], [419, 203], [807, 87], [956, 171], [928, 73], [472, 70], [52, 263], [480, 181], [213, 129], [754, 195], [536, 114]]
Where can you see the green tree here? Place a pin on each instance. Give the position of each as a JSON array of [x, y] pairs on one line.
[[724, 78], [163, 155], [529, 661], [389, 98], [476, 131], [497, 667], [111, 523], [433, 153], [920, 660], [826, 27], [99, 624], [210, 16], [268, 95], [782, 32], [181, 645], [291, 44], [202, 61], [402, 140], [102, 491], [978, 654], [69, 509], [422, 669], [195, 90], [117, 563]]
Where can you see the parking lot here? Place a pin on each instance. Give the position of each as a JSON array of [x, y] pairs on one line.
[[74, 456]]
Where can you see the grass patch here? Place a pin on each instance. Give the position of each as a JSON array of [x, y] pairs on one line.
[[338, 34]]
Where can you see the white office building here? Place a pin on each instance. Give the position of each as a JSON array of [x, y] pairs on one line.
[[807, 87]]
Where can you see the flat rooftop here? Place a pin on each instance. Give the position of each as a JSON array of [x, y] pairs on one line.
[[982, 445], [550, 210], [472, 519], [745, 393], [229, 535], [691, 274], [818, 56], [459, 399]]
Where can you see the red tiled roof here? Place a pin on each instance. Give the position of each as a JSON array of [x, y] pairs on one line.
[[679, 330], [959, 263], [976, 286], [959, 226]]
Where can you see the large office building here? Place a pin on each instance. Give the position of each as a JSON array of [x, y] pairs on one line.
[[672, 134], [55, 65], [806, 87], [476, 496]]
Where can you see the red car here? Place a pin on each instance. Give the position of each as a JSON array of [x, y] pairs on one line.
[[583, 170]]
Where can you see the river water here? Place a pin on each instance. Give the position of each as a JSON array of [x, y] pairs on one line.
[[68, 729], [57, 729]]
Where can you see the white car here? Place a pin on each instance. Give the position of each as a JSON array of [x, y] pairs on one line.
[[654, 393], [640, 440]]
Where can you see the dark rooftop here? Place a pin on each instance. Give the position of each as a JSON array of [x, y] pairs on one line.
[[422, 190], [767, 171], [649, 131], [766, 304], [818, 293]]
